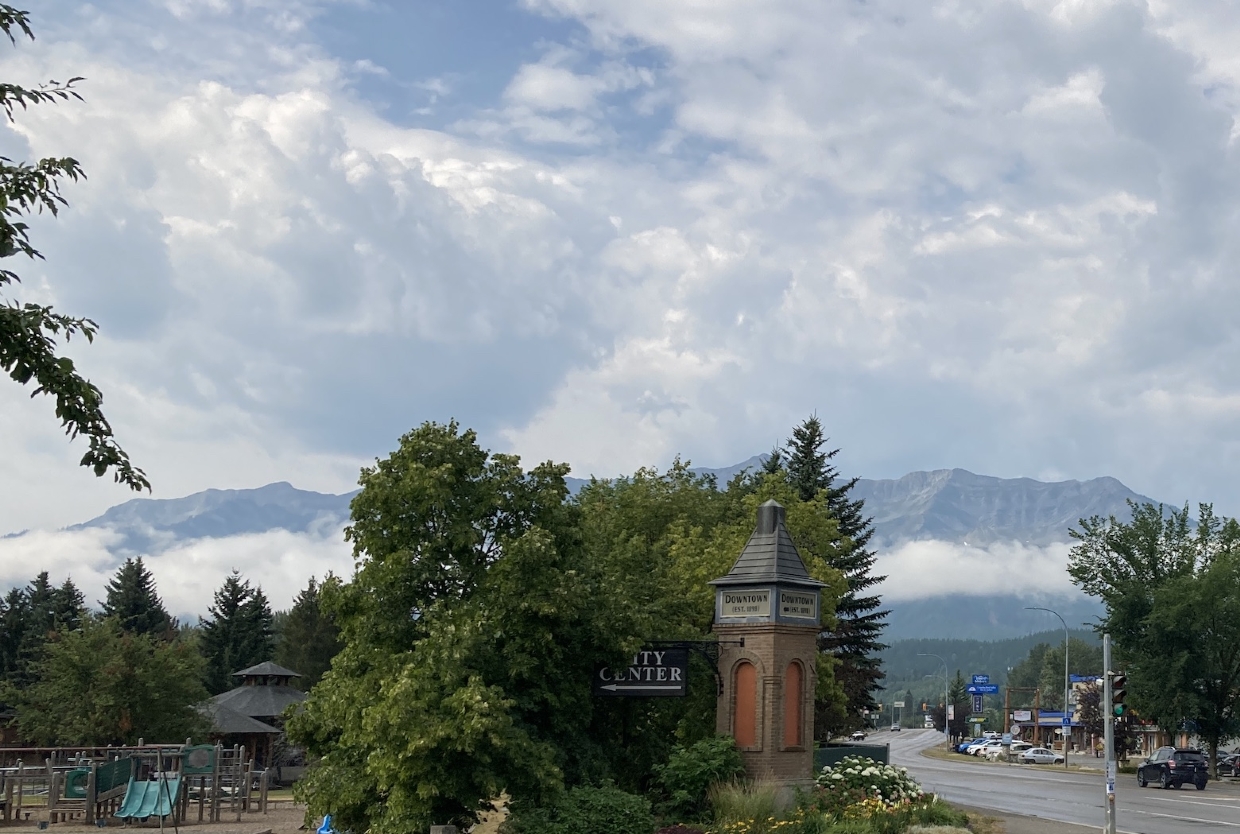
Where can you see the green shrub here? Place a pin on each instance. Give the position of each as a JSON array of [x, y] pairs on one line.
[[584, 810], [686, 779]]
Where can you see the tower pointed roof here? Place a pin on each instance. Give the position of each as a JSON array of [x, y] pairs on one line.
[[769, 555]]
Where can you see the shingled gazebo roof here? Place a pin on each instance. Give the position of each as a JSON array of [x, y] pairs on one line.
[[769, 555], [267, 668]]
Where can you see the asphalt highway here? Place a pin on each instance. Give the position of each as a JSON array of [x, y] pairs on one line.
[[1070, 797]]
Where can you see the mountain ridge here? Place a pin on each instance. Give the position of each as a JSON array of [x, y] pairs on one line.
[[946, 504]]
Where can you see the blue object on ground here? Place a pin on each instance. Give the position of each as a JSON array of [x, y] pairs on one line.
[[326, 827]]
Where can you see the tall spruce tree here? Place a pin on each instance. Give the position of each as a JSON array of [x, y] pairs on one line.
[[861, 619], [238, 634], [132, 600], [28, 616], [308, 638]]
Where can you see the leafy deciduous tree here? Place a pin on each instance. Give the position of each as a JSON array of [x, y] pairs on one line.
[[1172, 597], [100, 685], [29, 332]]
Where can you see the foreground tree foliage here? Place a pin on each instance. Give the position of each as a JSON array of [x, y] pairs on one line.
[[482, 601], [102, 685], [1172, 596], [29, 332]]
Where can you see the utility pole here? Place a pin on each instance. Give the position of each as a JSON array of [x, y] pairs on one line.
[[947, 733], [1108, 723]]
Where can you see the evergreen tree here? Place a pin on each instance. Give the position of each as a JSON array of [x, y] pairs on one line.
[[28, 616], [861, 620], [14, 622], [132, 600], [238, 634], [308, 637]]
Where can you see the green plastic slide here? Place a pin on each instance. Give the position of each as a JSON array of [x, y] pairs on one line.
[[150, 798]]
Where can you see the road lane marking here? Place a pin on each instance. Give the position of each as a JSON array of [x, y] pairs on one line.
[[1178, 817]]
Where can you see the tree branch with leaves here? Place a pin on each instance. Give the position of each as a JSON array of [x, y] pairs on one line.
[[30, 333]]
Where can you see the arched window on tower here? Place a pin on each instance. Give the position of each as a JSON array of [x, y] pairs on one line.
[[745, 721], [794, 698]]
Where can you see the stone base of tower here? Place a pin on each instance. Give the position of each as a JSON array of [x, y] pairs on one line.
[[767, 703]]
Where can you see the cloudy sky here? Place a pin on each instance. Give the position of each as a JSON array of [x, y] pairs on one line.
[[990, 234]]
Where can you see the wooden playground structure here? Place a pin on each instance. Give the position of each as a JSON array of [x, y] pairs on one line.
[[177, 783]]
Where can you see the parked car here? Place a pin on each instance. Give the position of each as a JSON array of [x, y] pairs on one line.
[[1229, 765], [990, 746], [1040, 755], [1019, 747], [975, 746], [964, 745], [992, 734], [1174, 767]]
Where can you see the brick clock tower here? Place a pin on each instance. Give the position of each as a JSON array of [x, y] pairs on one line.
[[767, 703]]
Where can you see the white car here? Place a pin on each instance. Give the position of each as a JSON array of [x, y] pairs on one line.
[[858, 736], [992, 734], [1040, 755], [989, 747], [975, 746], [1019, 747], [895, 728]]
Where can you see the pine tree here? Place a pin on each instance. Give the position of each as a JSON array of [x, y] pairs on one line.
[[308, 637], [14, 622], [855, 641], [28, 616], [132, 600], [238, 634]]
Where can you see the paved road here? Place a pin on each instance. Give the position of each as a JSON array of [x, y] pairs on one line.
[[1066, 797]]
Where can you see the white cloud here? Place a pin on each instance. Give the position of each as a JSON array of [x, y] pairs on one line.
[[186, 573], [932, 568], [989, 235]]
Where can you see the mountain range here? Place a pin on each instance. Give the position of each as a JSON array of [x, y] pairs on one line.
[[947, 505], [952, 505]]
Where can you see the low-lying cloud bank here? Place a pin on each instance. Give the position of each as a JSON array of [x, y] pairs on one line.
[[931, 568], [187, 573]]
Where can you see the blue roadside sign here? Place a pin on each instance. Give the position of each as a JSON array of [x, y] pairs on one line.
[[981, 678], [1067, 721], [982, 689]]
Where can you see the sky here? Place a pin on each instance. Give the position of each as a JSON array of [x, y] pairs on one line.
[[995, 235]]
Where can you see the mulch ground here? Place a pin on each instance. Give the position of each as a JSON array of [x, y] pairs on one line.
[[281, 818]]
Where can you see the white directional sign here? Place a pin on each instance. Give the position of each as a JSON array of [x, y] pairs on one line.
[[654, 673]]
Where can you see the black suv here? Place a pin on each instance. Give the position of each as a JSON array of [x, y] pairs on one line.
[[1174, 766]]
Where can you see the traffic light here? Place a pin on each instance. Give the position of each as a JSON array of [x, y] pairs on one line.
[[1119, 681]]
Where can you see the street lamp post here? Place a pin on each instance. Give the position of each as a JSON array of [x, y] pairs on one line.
[[1066, 682], [947, 733]]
